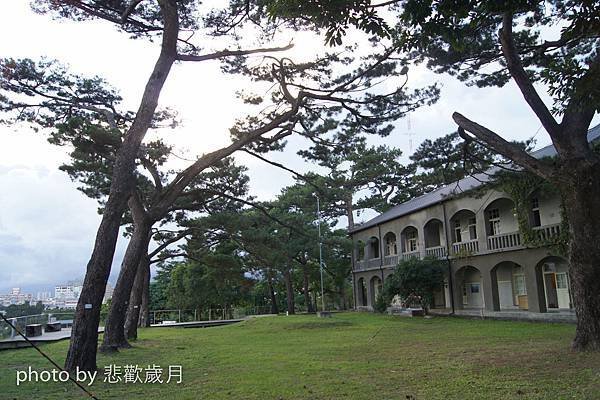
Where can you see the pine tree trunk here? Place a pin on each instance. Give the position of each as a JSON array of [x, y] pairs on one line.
[[133, 308], [84, 334], [343, 298], [135, 300], [144, 319], [583, 213], [274, 306], [289, 289], [350, 212], [306, 290], [114, 330]]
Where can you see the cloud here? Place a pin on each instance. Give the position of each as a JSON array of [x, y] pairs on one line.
[[47, 227]]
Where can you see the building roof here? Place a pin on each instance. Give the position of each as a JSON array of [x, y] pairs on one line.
[[448, 191]]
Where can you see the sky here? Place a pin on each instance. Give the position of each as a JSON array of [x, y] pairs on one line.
[[47, 227]]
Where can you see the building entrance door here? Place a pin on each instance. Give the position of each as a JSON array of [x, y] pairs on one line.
[[562, 290], [505, 293], [474, 298], [550, 289]]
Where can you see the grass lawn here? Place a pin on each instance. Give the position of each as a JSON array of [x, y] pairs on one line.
[[350, 356]]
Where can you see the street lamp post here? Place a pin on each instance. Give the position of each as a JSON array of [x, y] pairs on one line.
[[320, 252]]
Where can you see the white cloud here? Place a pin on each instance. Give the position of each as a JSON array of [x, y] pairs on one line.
[[47, 227]]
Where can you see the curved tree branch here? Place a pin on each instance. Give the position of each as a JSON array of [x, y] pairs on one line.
[[231, 53], [505, 148], [520, 76]]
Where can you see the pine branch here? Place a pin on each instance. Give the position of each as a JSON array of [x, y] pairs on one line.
[[231, 53], [505, 148], [519, 74]]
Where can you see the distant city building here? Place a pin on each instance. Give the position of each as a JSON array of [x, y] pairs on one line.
[[108, 293], [67, 295], [15, 297], [43, 296]]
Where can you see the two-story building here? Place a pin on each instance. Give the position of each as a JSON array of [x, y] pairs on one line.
[[490, 268]]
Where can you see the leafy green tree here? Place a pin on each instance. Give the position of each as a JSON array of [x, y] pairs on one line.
[[446, 160], [490, 43], [415, 281], [337, 248], [18, 310], [213, 275], [276, 244], [204, 194], [354, 167], [159, 285]]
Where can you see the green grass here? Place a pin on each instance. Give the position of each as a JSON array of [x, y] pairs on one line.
[[350, 356]]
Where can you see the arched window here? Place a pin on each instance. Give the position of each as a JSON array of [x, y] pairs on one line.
[[360, 250], [500, 217], [374, 247], [410, 240], [464, 226], [391, 248], [433, 233]]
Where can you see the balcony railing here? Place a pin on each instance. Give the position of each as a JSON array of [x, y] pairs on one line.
[[391, 260], [362, 265], [504, 241], [412, 254], [437, 252], [465, 248], [547, 232]]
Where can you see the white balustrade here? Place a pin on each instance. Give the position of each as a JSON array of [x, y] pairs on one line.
[[504, 241]]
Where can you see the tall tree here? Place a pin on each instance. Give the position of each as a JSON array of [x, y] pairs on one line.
[[349, 93], [202, 195], [213, 280], [447, 159], [353, 168], [137, 19], [490, 43]]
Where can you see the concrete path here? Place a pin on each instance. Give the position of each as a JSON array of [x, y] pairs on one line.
[[514, 315], [46, 337], [65, 333], [197, 324]]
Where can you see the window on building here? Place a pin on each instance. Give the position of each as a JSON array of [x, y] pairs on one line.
[[536, 219], [411, 241], [475, 287], [472, 228], [494, 221], [390, 245], [520, 285], [457, 233], [360, 250], [561, 281], [374, 244]]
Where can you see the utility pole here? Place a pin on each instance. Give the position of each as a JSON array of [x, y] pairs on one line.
[[320, 252]]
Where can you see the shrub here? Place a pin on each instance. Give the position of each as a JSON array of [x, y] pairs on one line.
[[381, 304], [415, 281]]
